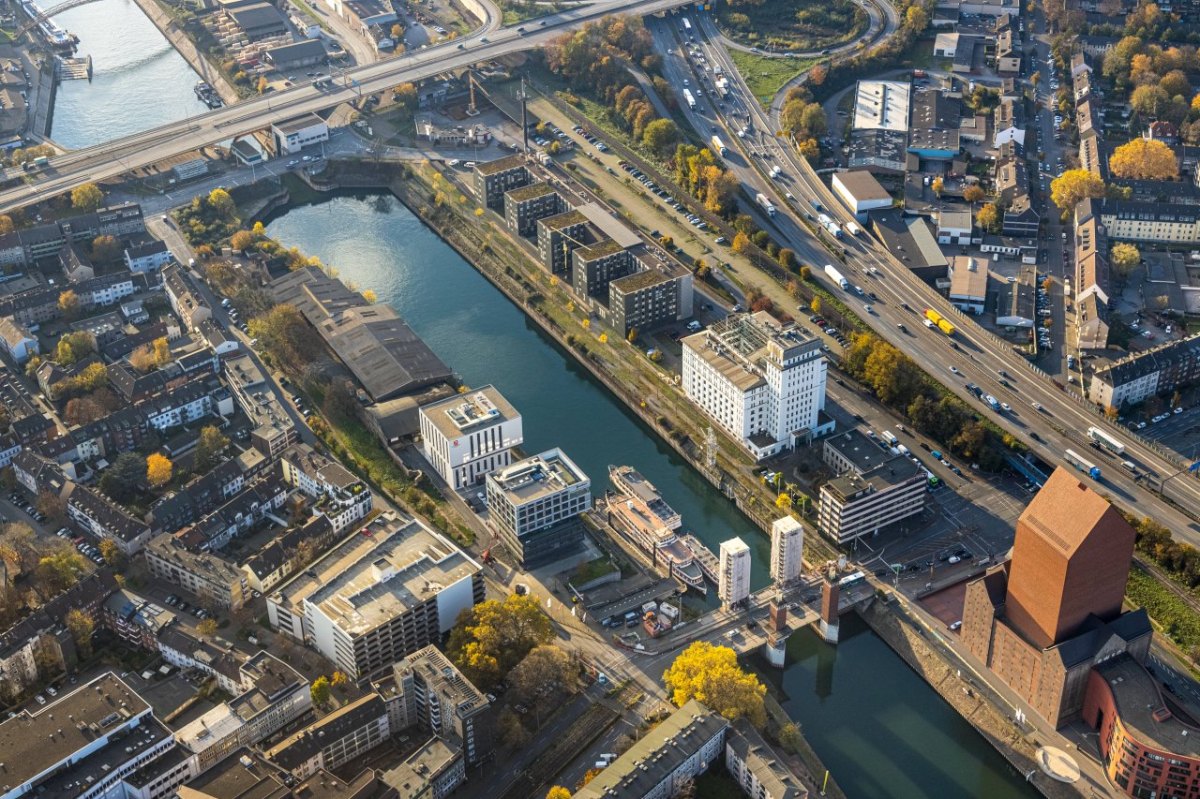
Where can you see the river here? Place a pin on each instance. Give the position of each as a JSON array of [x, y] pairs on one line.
[[139, 80], [876, 724]]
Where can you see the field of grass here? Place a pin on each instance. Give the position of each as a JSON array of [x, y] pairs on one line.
[[1168, 611], [792, 25], [766, 76]]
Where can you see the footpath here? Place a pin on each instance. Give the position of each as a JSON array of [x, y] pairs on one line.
[[187, 48]]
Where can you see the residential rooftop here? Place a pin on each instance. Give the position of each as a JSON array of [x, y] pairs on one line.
[[530, 192], [372, 577], [654, 758], [640, 280], [500, 165]]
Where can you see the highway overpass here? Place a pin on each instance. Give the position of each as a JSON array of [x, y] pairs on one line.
[[112, 159]]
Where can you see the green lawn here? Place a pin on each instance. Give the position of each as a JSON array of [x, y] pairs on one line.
[[766, 76], [792, 25], [1168, 611]]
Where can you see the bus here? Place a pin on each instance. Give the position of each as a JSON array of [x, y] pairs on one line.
[[851, 580], [687, 26], [1082, 464], [1105, 440]]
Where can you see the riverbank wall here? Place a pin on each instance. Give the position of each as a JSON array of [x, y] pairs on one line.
[[908, 639], [489, 259], [184, 45]]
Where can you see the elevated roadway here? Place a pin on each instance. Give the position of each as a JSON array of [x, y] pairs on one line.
[[114, 158], [1047, 417]]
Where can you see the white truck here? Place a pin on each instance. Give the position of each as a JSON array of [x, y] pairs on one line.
[[719, 146], [889, 437], [689, 99], [837, 277], [766, 204], [853, 229]]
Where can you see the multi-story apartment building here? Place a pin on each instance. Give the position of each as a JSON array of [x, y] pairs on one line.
[[535, 505], [675, 752], [733, 586], [597, 265], [135, 620], [466, 436], [23, 247], [378, 596], [345, 734], [431, 772], [755, 767], [204, 574], [186, 404], [426, 691], [1142, 375], [493, 179], [1170, 223], [650, 298], [787, 551], [524, 206], [185, 299], [558, 237], [103, 518], [272, 695], [270, 422], [763, 385], [337, 493]]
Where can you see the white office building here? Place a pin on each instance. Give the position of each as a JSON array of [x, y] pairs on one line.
[[762, 384], [467, 436], [787, 550], [535, 503], [734, 585]]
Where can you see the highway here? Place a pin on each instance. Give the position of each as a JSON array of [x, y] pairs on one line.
[[977, 355], [114, 158]]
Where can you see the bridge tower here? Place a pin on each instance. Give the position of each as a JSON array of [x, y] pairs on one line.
[[830, 598], [775, 648]]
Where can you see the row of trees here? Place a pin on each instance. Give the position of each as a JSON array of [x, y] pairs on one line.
[[698, 171], [1155, 541], [899, 383], [256, 240], [803, 119]]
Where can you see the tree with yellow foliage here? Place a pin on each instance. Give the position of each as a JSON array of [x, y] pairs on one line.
[[783, 501], [815, 305], [711, 674], [492, 637], [158, 469], [741, 243], [1071, 187], [558, 792], [1144, 159], [1124, 258]]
